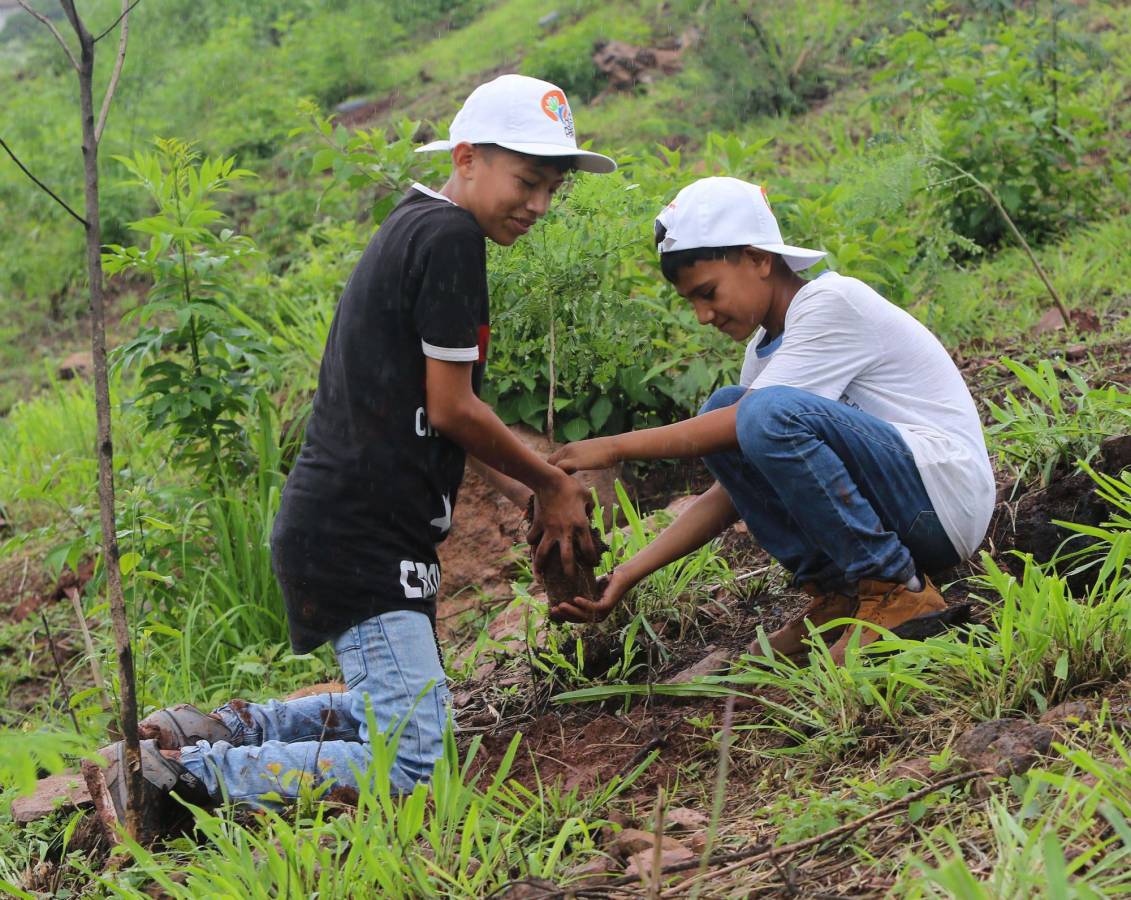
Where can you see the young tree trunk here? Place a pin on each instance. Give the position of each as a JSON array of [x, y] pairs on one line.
[[110, 554]]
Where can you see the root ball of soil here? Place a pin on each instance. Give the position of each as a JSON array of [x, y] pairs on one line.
[[561, 587]]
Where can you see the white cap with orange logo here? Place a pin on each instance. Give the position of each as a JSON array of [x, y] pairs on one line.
[[522, 114], [727, 212]]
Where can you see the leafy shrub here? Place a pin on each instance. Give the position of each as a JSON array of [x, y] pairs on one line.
[[769, 61], [1001, 98]]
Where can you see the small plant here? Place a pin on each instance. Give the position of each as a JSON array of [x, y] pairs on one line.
[[1062, 837], [1051, 429], [198, 364]]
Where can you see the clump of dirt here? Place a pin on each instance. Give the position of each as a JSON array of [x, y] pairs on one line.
[[25, 589], [581, 750], [560, 587], [477, 558], [1028, 524]]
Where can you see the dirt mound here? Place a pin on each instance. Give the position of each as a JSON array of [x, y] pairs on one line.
[[581, 750], [1027, 524], [626, 65]]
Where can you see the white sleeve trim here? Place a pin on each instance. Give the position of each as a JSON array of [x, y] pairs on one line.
[[435, 195], [450, 354]]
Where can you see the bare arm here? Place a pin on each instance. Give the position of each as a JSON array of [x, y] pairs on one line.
[[699, 436], [455, 411], [515, 491], [705, 519]]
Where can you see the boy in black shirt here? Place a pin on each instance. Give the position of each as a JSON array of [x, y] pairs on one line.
[[373, 488]]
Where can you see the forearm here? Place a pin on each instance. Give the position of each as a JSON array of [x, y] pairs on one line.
[[705, 519], [514, 490], [711, 432], [484, 436]]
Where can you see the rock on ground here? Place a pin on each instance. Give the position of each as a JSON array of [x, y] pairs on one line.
[[1004, 746], [66, 791]]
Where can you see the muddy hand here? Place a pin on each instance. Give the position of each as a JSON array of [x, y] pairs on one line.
[[595, 453], [579, 610], [561, 518]]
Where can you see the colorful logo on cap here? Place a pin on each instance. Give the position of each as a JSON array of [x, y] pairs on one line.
[[766, 198], [555, 105]]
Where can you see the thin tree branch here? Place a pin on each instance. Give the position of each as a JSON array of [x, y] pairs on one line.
[[59, 670], [124, 18], [125, 12], [1015, 232], [763, 850], [110, 551], [41, 185], [744, 858], [51, 26]]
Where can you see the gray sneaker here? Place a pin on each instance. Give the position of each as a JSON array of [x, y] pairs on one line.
[[182, 726], [159, 814]]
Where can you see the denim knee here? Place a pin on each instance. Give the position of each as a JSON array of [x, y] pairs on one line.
[[723, 397], [764, 418]]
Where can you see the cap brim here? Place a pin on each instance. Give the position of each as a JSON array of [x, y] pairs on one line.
[[584, 160], [435, 145], [798, 258]]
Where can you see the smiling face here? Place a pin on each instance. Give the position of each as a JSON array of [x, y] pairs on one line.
[[734, 294], [506, 192]]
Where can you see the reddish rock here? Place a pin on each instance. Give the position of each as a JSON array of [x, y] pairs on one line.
[[715, 661], [917, 768], [689, 819], [66, 791], [629, 841], [1005, 746], [77, 365], [641, 863]]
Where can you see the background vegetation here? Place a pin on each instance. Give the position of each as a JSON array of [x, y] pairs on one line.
[[251, 153]]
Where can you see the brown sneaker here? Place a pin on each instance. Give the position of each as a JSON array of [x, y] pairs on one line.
[[825, 606], [887, 604]]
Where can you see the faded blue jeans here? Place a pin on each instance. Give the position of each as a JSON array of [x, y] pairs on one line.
[[831, 492], [390, 662]]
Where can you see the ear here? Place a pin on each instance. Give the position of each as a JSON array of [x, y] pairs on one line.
[[464, 156], [762, 261]]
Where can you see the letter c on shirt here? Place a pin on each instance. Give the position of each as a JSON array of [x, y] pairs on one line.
[[408, 567]]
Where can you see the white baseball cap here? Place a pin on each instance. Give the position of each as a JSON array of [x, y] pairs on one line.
[[522, 114], [727, 212]]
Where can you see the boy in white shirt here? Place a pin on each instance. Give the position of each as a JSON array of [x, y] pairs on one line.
[[851, 448]]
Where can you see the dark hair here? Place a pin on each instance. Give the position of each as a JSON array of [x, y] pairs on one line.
[[562, 164], [671, 263]]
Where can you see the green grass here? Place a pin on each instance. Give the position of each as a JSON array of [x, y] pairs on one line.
[[817, 748]]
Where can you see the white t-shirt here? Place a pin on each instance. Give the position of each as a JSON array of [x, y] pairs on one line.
[[843, 341]]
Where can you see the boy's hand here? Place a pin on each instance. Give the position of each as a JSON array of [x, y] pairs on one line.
[[595, 453], [561, 516], [613, 587]]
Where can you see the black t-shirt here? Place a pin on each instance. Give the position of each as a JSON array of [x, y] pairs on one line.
[[372, 491]]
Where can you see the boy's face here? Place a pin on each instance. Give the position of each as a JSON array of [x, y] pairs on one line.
[[732, 294], [506, 192]]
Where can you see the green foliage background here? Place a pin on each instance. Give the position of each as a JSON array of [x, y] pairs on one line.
[[224, 162]]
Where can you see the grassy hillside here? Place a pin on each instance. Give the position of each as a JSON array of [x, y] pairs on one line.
[[908, 140]]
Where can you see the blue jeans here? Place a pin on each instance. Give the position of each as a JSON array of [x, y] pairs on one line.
[[832, 493], [389, 662]]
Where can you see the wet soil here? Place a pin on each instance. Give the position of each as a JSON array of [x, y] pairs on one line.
[[1028, 524]]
